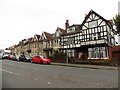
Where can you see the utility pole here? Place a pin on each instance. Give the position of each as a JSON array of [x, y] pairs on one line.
[[67, 56]]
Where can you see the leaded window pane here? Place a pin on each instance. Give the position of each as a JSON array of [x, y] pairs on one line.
[[97, 52]]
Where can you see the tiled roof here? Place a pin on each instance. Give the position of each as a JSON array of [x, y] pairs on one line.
[[48, 35], [61, 30], [77, 29], [38, 36]]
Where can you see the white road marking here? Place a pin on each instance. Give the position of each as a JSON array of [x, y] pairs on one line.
[[9, 72]]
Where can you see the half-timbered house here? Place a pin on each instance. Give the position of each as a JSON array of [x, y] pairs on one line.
[[90, 40]]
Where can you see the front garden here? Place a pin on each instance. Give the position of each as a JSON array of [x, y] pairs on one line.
[[61, 57]]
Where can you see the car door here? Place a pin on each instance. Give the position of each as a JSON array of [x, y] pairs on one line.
[[34, 59], [38, 59]]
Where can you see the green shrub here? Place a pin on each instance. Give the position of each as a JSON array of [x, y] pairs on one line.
[[106, 61], [58, 56]]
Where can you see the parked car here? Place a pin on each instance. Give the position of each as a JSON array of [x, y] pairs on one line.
[[17, 57], [9, 57], [6, 56], [13, 57], [24, 58], [1, 54], [40, 59]]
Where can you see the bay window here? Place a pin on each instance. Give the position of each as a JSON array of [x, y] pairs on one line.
[[97, 53]]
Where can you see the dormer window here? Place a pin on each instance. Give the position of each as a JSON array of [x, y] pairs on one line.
[[71, 29]]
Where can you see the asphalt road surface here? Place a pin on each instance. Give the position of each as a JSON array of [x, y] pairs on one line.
[[27, 75]]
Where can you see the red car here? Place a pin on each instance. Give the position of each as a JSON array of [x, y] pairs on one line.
[[40, 59], [9, 57]]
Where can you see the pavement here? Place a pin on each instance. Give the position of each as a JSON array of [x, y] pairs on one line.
[[87, 66]]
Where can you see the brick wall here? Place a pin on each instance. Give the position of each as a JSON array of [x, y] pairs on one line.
[[116, 52]]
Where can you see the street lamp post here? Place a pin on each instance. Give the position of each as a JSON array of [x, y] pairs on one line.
[[67, 56], [67, 43]]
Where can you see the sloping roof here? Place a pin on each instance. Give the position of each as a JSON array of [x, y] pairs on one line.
[[61, 30], [38, 36], [48, 35], [77, 29], [91, 12]]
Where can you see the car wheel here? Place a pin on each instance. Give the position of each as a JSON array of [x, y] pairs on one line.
[[48, 63], [31, 61], [18, 60], [41, 62]]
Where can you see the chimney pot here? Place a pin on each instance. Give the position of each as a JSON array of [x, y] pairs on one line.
[[66, 24]]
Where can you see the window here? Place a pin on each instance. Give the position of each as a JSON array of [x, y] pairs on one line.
[[105, 33], [98, 29], [71, 29], [80, 37], [97, 52], [99, 35], [90, 37], [92, 24], [94, 36], [35, 45], [90, 31], [70, 53], [87, 36]]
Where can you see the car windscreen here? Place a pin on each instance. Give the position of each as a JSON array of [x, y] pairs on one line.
[[37, 56], [7, 53], [42, 56], [27, 56]]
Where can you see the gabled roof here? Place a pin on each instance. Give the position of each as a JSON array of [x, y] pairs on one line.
[[61, 30], [93, 12], [48, 35], [36, 37]]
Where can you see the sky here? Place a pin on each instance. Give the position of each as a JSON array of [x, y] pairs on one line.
[[22, 19]]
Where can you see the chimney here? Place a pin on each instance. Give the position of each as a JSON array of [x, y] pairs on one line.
[[66, 24]]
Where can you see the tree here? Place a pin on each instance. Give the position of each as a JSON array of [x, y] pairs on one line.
[[117, 23]]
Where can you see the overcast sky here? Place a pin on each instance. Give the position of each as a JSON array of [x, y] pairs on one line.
[[20, 19]]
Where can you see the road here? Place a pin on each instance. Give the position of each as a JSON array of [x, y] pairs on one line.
[[27, 75]]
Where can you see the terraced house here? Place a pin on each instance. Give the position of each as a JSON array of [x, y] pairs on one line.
[[92, 39], [44, 44]]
